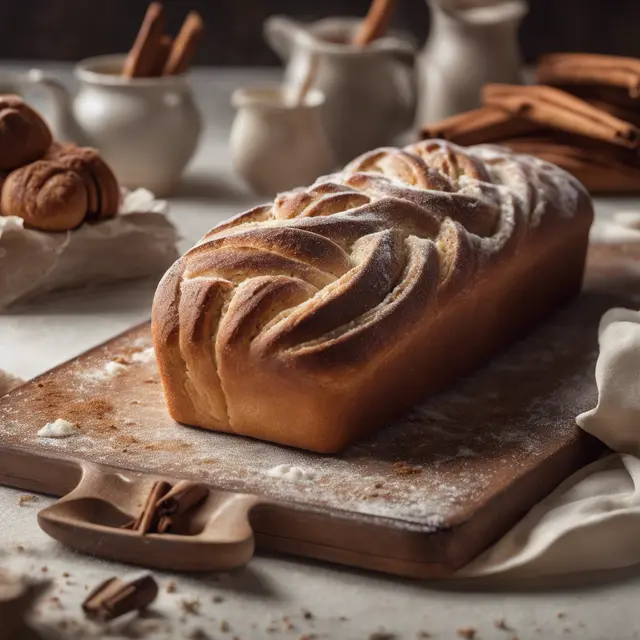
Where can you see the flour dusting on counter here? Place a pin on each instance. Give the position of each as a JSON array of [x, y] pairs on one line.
[[57, 429]]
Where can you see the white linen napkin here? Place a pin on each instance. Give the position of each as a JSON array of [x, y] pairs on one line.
[[592, 520], [139, 242]]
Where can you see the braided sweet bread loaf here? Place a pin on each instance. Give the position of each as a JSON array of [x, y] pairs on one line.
[[313, 320]]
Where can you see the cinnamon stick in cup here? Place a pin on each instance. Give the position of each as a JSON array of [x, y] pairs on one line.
[[376, 23], [184, 46], [144, 52], [164, 48]]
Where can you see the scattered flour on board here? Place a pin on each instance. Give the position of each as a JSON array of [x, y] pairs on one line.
[[57, 429], [292, 474], [146, 355]]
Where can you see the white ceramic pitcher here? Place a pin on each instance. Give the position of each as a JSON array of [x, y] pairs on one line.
[[147, 129], [278, 143], [471, 43], [370, 91]]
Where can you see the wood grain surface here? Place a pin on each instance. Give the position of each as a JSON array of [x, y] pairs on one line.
[[421, 498]]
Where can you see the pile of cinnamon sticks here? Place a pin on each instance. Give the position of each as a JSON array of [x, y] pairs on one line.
[[583, 115], [155, 53]]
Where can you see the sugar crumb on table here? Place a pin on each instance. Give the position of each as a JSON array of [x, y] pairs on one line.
[[26, 499], [501, 623]]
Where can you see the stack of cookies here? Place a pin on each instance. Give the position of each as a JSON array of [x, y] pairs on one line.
[[50, 185], [584, 116]]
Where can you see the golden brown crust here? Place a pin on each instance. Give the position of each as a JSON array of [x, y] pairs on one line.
[[46, 195], [312, 321], [24, 135]]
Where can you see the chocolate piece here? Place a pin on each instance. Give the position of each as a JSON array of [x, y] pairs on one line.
[[115, 597]]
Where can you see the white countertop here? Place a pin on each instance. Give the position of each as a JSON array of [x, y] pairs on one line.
[[345, 603]]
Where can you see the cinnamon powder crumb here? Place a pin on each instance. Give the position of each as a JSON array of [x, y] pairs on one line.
[[191, 606], [308, 636], [424, 634], [218, 599], [225, 627], [66, 574], [467, 632], [208, 460], [306, 614], [26, 499], [382, 635], [44, 569], [288, 625], [170, 587], [199, 634], [20, 548], [501, 623], [404, 469], [560, 614]]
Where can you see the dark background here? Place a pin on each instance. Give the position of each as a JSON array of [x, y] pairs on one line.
[[74, 29]]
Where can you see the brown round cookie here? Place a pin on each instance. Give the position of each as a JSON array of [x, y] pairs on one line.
[[24, 135], [102, 185], [46, 195]]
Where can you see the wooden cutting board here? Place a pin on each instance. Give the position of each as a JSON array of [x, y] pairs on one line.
[[422, 498]]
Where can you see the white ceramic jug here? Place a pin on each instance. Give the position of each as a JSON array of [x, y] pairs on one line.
[[147, 129], [471, 43], [278, 143], [370, 91]]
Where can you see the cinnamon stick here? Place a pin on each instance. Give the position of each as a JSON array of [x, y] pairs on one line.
[[488, 124], [148, 518], [184, 46], [115, 597], [182, 497], [143, 54], [164, 48], [553, 108], [589, 68], [598, 172], [376, 22]]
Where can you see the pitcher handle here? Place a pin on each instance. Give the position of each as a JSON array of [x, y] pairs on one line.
[[63, 123], [279, 32]]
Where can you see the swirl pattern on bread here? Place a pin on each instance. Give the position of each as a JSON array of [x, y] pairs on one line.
[[313, 320]]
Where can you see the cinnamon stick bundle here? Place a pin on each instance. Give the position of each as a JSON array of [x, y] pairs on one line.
[[553, 108], [589, 68], [484, 125]]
